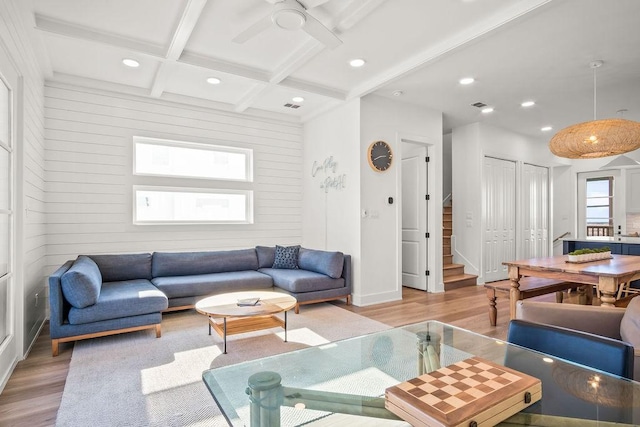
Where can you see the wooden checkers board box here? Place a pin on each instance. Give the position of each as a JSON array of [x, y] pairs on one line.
[[474, 392]]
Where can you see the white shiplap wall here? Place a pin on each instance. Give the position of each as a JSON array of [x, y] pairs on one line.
[[14, 24], [89, 173]]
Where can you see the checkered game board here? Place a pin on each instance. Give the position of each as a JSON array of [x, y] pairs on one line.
[[459, 391]]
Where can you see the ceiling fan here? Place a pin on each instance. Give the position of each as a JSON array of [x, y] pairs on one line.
[[293, 15]]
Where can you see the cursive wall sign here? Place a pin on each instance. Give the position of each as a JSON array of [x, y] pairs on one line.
[[328, 168]]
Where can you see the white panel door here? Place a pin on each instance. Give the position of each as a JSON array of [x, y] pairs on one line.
[[414, 216], [499, 205], [535, 211]]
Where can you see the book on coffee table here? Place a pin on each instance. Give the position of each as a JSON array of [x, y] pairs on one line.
[[245, 302], [471, 392]]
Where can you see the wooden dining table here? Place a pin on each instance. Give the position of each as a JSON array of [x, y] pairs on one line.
[[606, 274]]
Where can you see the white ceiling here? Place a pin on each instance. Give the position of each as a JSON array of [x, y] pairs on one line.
[[515, 49]]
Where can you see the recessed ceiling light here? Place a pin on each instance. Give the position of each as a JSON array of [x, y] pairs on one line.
[[487, 110], [213, 81], [297, 99], [467, 80], [546, 129], [397, 93], [528, 104], [355, 63], [130, 62]]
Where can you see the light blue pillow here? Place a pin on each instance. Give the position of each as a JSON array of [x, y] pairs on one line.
[[266, 256], [81, 283], [286, 257], [323, 262]]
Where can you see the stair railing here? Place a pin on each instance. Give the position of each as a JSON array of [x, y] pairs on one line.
[[466, 262], [446, 199], [561, 236]]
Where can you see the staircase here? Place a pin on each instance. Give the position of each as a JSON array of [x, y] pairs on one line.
[[453, 274]]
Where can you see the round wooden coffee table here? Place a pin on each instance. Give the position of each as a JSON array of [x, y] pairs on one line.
[[238, 319]]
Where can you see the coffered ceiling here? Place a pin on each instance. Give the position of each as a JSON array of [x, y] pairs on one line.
[[515, 49]]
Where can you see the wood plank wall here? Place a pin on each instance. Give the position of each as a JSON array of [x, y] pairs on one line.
[[16, 40], [89, 150]]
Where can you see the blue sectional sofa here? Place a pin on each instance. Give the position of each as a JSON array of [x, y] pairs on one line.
[[98, 295]]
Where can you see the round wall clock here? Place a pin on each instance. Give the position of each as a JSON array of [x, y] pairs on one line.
[[380, 156]]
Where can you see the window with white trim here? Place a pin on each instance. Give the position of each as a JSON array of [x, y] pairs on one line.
[[185, 182]]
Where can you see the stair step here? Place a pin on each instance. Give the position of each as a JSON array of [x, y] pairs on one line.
[[447, 232], [447, 216], [452, 270], [459, 281], [447, 259], [446, 249], [447, 209]]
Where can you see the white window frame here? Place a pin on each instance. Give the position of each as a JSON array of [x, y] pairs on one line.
[[192, 184], [619, 215], [198, 146], [248, 205]]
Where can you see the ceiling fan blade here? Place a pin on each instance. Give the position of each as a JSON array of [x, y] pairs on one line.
[[318, 31], [310, 4], [253, 30]]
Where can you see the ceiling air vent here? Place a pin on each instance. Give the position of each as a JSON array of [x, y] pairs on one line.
[[479, 105], [294, 106]]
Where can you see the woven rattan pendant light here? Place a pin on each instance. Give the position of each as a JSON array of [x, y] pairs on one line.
[[597, 138]]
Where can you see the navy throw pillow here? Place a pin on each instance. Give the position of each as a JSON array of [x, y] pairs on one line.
[[286, 257]]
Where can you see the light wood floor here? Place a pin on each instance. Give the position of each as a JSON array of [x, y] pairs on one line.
[[32, 396]]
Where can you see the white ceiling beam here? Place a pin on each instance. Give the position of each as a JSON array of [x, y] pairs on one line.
[[295, 60], [61, 79], [347, 18], [224, 67], [165, 71], [505, 16], [182, 33], [355, 12], [83, 33], [314, 88], [298, 58], [249, 98]]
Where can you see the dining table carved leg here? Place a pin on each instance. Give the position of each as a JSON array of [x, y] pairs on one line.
[[514, 293], [608, 288]]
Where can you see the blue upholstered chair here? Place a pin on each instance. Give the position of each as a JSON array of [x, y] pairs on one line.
[[606, 354]]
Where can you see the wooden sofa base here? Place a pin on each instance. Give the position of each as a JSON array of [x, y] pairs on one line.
[[56, 342], [297, 308], [529, 287]]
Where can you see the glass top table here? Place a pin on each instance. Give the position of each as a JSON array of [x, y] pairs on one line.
[[343, 383]]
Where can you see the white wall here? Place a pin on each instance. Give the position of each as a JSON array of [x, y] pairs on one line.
[[564, 203], [466, 168], [389, 120], [446, 166], [469, 146], [16, 22], [89, 174], [331, 215]]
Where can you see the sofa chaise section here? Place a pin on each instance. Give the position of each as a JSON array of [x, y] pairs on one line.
[[320, 275], [103, 295]]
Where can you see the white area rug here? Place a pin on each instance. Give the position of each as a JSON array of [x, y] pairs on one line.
[[137, 380]]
